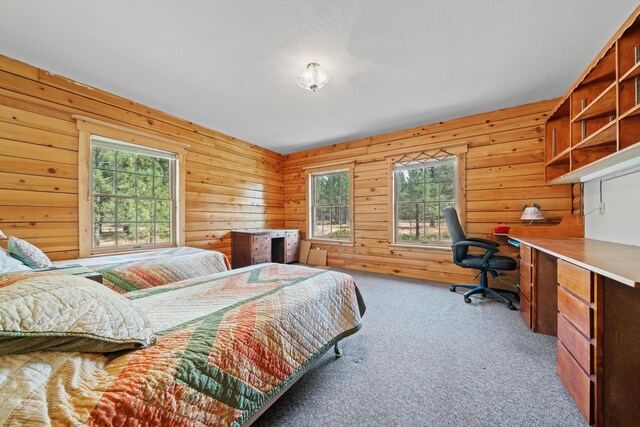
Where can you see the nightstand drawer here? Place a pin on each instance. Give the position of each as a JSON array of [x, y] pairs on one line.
[[576, 343], [576, 279], [576, 311]]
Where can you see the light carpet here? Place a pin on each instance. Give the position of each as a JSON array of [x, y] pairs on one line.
[[425, 358]]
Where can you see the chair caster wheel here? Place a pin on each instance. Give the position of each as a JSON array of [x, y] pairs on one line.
[[338, 353], [484, 295], [467, 300], [512, 307], [452, 289]]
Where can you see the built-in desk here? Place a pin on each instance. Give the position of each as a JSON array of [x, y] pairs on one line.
[[586, 292]]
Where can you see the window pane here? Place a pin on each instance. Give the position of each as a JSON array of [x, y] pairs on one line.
[[146, 211], [144, 185], [103, 158], [431, 227], [447, 191], [162, 166], [431, 192], [145, 233], [322, 190], [103, 181], [444, 233], [320, 221], [125, 161], [125, 184], [104, 209], [163, 232], [144, 165], [104, 234], [126, 234], [162, 186], [163, 211], [345, 222], [126, 210], [445, 172], [410, 221]]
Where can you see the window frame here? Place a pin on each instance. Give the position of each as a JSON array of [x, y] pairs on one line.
[[310, 173], [89, 127], [459, 151]]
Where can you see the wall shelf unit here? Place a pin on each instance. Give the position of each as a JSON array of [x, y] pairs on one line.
[[596, 125]]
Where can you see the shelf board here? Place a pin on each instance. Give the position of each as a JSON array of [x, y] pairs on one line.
[[605, 135], [632, 73], [560, 159], [601, 165], [603, 105], [632, 112]]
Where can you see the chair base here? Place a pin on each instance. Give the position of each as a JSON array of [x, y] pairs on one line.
[[485, 290]]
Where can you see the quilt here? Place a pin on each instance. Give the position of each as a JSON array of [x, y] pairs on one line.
[[228, 342]]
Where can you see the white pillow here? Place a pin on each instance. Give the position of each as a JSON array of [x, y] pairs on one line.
[[9, 263]]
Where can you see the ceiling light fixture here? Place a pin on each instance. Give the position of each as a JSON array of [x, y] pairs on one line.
[[313, 77]]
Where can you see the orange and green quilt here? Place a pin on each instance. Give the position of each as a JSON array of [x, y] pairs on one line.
[[227, 343]]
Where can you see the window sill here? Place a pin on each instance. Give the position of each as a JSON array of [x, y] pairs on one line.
[[332, 242], [129, 250], [420, 247]]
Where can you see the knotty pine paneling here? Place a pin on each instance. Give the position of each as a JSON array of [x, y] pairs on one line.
[[39, 164], [504, 171]]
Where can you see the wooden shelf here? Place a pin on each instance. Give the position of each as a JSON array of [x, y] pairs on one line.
[[605, 135], [632, 73], [631, 113], [560, 159], [603, 105], [601, 165]]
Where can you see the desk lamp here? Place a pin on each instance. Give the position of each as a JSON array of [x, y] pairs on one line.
[[531, 213]]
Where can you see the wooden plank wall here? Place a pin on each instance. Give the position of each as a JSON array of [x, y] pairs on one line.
[[504, 171], [230, 183]]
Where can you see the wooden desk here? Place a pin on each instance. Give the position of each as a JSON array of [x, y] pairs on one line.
[[250, 247], [586, 292]]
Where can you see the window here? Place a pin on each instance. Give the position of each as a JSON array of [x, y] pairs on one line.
[[330, 205], [422, 189], [133, 195]]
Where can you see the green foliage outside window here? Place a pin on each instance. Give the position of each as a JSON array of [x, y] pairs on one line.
[[331, 201], [132, 198], [422, 192]]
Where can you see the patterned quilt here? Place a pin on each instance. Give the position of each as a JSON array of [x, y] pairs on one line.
[[129, 276], [227, 343]]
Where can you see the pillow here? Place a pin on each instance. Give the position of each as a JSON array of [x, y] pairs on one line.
[[30, 255], [9, 264], [60, 312]]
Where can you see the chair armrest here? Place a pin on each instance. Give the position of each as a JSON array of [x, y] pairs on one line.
[[491, 249], [476, 239]]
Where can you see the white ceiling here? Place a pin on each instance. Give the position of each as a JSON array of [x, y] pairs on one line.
[[231, 65]]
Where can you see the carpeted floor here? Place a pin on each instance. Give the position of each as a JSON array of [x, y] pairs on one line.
[[425, 358]]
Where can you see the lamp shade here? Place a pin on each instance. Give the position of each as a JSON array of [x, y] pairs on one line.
[[531, 213]]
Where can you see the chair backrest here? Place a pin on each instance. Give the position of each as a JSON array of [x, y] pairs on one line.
[[455, 231]]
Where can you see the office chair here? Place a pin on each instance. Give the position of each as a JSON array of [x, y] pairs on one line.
[[486, 263]]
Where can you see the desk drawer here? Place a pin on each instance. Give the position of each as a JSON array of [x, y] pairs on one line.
[[576, 381], [525, 287], [259, 259], [576, 343], [261, 238], [576, 279], [525, 310], [525, 270], [291, 256], [262, 248], [525, 253], [576, 311]]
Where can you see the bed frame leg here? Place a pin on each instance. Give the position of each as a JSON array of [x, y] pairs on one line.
[[337, 350]]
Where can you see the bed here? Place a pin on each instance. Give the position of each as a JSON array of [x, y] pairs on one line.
[[228, 344]]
